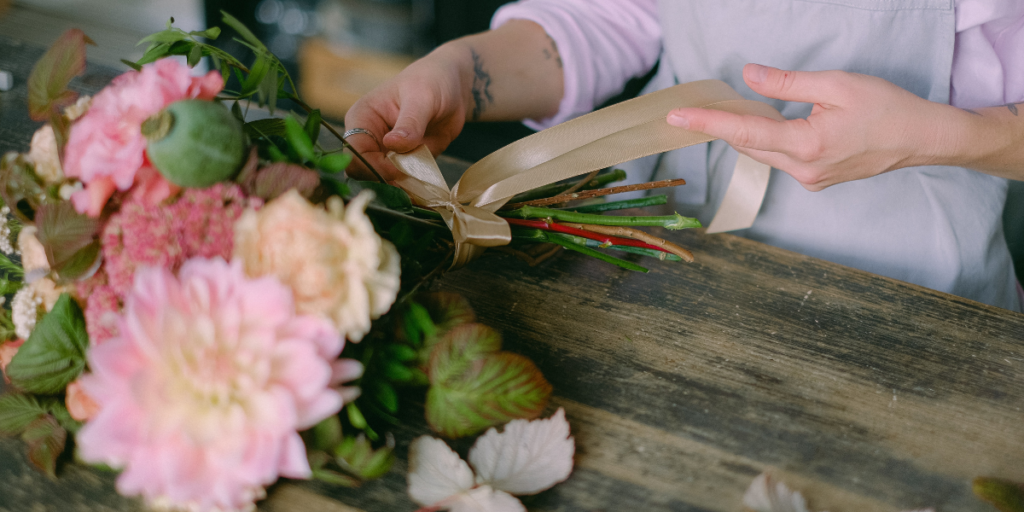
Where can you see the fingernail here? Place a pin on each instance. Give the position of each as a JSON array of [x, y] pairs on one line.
[[757, 73], [679, 120], [402, 134]]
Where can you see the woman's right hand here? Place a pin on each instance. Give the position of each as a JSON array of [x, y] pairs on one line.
[[424, 104], [509, 73]]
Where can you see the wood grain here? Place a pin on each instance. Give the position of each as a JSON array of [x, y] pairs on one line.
[[683, 384]]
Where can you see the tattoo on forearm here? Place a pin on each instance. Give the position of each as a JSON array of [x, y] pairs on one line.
[[481, 86], [1012, 107], [971, 111], [553, 52]]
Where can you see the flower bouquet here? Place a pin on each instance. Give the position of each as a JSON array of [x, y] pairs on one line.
[[205, 303]]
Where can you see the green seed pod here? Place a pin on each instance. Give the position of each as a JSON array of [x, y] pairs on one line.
[[195, 143]]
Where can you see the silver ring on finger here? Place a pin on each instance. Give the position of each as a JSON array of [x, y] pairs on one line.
[[364, 131]]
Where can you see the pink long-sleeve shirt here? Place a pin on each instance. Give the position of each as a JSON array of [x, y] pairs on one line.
[[604, 43]]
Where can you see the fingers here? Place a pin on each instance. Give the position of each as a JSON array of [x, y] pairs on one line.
[[748, 132], [803, 86], [414, 114]]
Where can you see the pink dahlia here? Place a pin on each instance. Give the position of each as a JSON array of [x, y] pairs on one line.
[[106, 148], [201, 394]]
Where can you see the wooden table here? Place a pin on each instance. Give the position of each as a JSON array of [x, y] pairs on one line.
[[683, 384]]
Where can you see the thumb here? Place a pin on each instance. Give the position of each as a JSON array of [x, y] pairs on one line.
[[413, 116], [802, 86]]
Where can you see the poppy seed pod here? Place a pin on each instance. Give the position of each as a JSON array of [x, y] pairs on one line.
[[194, 143]]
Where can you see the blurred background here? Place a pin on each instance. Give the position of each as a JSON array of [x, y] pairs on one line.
[[337, 50]]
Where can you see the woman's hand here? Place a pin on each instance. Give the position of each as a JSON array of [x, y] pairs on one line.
[[424, 104], [860, 126], [510, 73]]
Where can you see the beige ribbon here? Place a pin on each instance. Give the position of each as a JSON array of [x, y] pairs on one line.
[[610, 136]]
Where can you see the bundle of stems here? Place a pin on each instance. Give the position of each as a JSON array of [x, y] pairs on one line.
[[586, 228]]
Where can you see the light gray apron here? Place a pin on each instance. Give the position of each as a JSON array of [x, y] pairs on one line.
[[938, 227]]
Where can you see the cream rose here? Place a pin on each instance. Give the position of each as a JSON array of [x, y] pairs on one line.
[[334, 262]]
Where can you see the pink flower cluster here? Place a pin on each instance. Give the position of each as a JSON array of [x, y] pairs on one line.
[[106, 148], [200, 396], [199, 223]]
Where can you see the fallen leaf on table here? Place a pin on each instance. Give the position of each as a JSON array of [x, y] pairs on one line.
[[527, 458], [766, 495]]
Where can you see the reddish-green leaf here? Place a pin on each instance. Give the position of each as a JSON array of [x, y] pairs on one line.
[[1007, 496], [473, 386], [495, 390], [357, 456], [69, 239], [448, 310], [278, 178], [460, 349], [45, 439], [48, 82]]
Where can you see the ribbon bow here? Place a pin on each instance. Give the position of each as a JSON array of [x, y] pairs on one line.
[[619, 133]]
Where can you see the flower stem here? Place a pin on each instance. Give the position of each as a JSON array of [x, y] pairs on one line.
[[579, 231], [559, 188], [674, 221], [566, 241], [619, 205]]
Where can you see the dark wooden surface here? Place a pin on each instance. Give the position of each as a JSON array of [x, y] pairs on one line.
[[683, 384]]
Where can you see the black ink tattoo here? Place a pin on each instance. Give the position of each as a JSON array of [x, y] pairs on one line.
[[553, 51], [971, 111], [481, 87], [1012, 107]]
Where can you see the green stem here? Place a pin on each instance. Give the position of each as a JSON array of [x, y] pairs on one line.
[[557, 188], [674, 221], [426, 212], [567, 242], [619, 205]]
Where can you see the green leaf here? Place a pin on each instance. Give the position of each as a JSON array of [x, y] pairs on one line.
[[59, 410], [236, 110], [195, 55], [210, 33], [334, 162], [54, 355], [386, 396], [312, 126], [131, 64], [1007, 496], [171, 35], [326, 435], [473, 386], [388, 196], [69, 239], [402, 352], [268, 88], [355, 416], [17, 412], [259, 71], [154, 53], [48, 82], [242, 30], [45, 439], [357, 456], [298, 140], [269, 127], [417, 324]]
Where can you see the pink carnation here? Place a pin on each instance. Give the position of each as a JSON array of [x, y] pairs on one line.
[[106, 146], [202, 393]]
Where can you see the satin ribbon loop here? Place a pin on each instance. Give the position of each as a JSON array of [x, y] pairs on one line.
[[619, 133]]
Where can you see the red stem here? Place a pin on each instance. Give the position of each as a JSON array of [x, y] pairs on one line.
[[558, 228]]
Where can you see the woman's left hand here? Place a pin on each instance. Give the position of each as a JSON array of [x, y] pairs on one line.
[[860, 126]]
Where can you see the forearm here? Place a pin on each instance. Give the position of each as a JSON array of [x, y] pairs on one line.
[[990, 140], [511, 73]]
